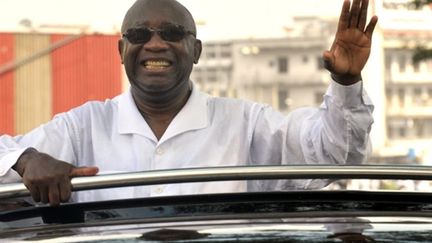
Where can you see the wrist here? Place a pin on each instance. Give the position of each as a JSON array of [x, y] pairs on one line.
[[346, 79], [21, 163]]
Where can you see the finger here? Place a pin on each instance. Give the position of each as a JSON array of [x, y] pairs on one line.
[[35, 194], [54, 195], [43, 194], [84, 171], [344, 17], [355, 10], [65, 188], [363, 15], [371, 27]]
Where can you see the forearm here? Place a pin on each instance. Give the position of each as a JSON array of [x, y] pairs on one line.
[[52, 138]]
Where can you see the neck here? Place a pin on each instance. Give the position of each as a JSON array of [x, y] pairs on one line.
[[159, 109]]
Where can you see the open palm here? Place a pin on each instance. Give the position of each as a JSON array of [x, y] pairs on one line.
[[351, 47]]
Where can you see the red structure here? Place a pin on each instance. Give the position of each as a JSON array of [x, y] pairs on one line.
[[85, 68], [6, 85]]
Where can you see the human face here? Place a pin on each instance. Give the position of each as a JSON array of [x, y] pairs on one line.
[[160, 65]]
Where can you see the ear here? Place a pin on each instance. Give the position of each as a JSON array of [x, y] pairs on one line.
[[121, 49], [197, 50]]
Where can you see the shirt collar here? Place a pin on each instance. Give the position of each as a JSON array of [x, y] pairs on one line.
[[130, 120], [193, 116]]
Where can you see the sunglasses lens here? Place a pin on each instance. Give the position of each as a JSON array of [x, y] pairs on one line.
[[172, 33], [138, 36]]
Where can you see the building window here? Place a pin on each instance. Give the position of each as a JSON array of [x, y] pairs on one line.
[[320, 63], [419, 125], [416, 66], [388, 60], [212, 78], [427, 128], [402, 64], [402, 132], [211, 55], [225, 51], [401, 97], [389, 96], [283, 64], [418, 99], [429, 96], [390, 132], [271, 64], [283, 99], [226, 54]]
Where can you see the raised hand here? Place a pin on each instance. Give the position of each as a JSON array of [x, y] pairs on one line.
[[49, 179], [352, 44]]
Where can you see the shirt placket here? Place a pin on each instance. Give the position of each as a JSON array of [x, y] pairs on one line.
[[158, 161]]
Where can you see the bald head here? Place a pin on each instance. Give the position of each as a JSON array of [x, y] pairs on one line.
[[147, 10]]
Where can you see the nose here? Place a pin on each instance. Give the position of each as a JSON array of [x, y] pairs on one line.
[[156, 43]]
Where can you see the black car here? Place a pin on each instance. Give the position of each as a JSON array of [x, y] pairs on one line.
[[276, 216]]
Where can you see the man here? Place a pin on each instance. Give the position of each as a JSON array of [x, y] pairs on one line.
[[164, 122]]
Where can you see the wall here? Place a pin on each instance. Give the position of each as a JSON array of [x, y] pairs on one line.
[[49, 78]]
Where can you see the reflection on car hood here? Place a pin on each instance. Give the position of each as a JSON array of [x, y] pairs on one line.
[[303, 216]]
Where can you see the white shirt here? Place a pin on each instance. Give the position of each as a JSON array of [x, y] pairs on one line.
[[207, 132]]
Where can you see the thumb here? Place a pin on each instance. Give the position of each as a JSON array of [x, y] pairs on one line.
[[83, 171], [328, 59]]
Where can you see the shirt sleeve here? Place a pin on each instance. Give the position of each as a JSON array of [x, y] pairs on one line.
[[337, 132], [54, 138], [7, 175]]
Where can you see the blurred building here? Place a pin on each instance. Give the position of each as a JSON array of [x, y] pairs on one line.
[[287, 73], [408, 84]]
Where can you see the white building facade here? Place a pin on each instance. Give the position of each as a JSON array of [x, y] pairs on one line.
[[288, 73]]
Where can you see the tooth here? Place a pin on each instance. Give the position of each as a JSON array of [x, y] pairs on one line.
[[157, 63]]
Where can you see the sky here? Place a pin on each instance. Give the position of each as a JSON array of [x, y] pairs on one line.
[[218, 19]]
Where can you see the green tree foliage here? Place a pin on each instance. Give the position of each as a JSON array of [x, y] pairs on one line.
[[421, 53], [420, 3]]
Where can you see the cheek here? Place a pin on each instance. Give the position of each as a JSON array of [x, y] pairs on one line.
[[186, 52], [188, 56], [130, 57]]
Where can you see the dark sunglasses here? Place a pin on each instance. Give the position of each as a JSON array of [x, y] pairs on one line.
[[171, 32]]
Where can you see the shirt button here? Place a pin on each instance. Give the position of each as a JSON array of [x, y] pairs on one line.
[[158, 190], [159, 151]]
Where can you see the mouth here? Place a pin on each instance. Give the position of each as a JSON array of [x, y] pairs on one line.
[[156, 65]]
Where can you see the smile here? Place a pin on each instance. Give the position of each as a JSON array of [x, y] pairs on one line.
[[156, 64]]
